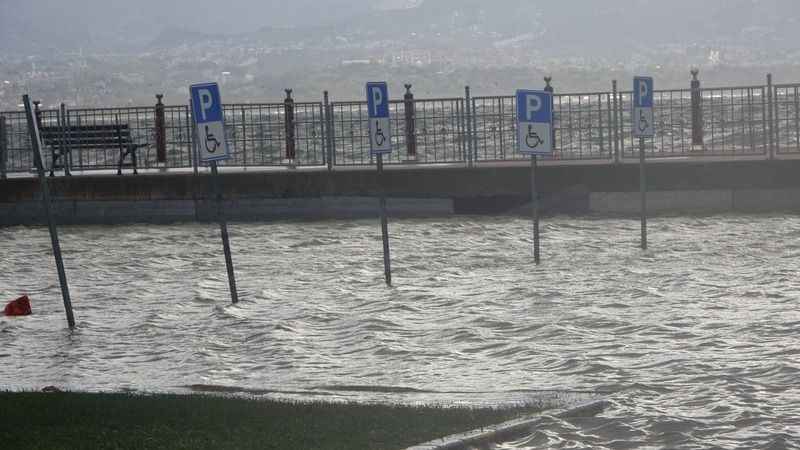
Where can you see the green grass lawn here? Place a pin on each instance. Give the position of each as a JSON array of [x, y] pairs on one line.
[[120, 421]]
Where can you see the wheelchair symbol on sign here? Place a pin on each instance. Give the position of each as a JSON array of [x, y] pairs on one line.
[[213, 140], [380, 138], [532, 139], [644, 125]]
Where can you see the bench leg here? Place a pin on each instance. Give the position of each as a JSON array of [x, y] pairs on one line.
[[121, 160]]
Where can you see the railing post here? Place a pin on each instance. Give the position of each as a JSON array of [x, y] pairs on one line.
[[615, 131], [468, 129], [328, 118], [3, 148], [161, 132], [66, 151], [770, 124], [288, 110], [697, 110], [549, 89], [411, 117]]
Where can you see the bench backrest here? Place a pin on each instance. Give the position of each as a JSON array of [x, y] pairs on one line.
[[87, 136]]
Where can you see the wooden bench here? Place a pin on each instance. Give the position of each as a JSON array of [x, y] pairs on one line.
[[63, 140]]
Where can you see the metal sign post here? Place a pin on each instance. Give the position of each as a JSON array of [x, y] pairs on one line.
[[643, 126], [212, 147], [380, 141], [535, 138], [36, 144]]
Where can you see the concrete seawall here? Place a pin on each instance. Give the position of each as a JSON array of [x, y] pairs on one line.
[[674, 186]]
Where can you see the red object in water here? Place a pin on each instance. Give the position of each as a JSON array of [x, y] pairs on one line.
[[18, 307]]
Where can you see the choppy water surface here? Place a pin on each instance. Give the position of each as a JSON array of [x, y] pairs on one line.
[[694, 343]]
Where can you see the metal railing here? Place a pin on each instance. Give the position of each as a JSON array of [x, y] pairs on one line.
[[761, 120]]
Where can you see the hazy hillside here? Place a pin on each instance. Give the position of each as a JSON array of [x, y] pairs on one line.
[[31, 25]]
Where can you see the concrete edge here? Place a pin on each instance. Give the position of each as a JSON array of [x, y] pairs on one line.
[[508, 431]]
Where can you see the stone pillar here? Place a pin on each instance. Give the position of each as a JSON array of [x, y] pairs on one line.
[[697, 110], [411, 117], [288, 110], [161, 132]]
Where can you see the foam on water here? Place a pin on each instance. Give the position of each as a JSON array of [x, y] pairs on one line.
[[693, 343]]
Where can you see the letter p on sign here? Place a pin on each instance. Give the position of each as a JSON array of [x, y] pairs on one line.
[[377, 100], [643, 90], [206, 102], [534, 103]]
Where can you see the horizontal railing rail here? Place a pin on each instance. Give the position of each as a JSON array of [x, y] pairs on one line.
[[758, 120]]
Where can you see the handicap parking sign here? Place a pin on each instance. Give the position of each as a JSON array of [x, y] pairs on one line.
[[643, 116], [208, 116], [535, 122], [380, 137]]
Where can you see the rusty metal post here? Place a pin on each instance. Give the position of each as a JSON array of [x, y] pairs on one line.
[[288, 110], [411, 117], [697, 110], [770, 117], [161, 132], [3, 148], [549, 89]]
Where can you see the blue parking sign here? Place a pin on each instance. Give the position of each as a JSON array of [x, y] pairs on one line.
[[380, 136], [535, 122], [208, 116], [643, 117]]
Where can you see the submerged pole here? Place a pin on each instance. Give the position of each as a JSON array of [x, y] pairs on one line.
[[36, 144], [387, 264], [535, 210], [643, 192], [223, 226]]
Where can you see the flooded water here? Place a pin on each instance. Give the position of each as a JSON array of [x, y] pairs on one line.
[[694, 343]]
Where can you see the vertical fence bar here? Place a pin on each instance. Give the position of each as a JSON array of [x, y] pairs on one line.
[[770, 124], [776, 120], [66, 154], [474, 137], [616, 118], [194, 140], [549, 89], [3, 148], [467, 114], [599, 122], [697, 109], [244, 137], [329, 131], [796, 119]]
